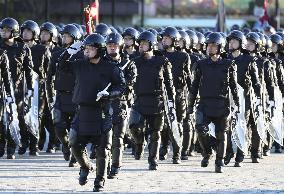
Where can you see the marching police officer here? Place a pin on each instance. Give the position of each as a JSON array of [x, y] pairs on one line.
[[154, 71], [120, 106], [62, 107], [41, 56], [5, 136], [247, 76], [20, 66], [97, 82], [213, 79], [181, 76]]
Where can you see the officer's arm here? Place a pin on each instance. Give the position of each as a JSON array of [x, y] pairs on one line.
[[46, 61], [269, 79], [193, 91], [280, 76], [118, 83], [253, 72], [131, 74], [64, 61], [233, 82], [5, 73], [51, 70], [28, 66], [168, 78], [187, 70]]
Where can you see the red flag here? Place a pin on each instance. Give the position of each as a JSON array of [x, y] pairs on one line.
[[88, 20]]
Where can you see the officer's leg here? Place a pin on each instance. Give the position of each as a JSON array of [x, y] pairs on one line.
[[50, 128], [80, 153], [187, 138], [23, 130], [138, 133], [203, 137], [11, 146], [181, 115], [33, 145], [119, 119], [102, 150], [117, 147], [61, 126], [267, 148], [229, 149], [239, 158], [155, 125], [42, 118], [165, 142], [176, 146], [222, 125], [2, 138], [255, 139]]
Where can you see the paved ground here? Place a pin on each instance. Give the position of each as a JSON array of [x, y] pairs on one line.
[[49, 173]]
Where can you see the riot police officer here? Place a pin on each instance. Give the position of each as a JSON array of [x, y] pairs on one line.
[[181, 76], [21, 64], [120, 106], [154, 71], [213, 78], [130, 36], [247, 77], [61, 90], [48, 37], [41, 56], [265, 73], [5, 135], [93, 121]]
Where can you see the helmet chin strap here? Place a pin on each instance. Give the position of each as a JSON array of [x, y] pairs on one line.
[[233, 50], [113, 55]]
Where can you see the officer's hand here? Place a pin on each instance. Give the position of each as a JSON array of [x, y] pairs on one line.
[[74, 48], [171, 104], [190, 110], [258, 102], [102, 95], [9, 100], [271, 104], [236, 110], [29, 94]]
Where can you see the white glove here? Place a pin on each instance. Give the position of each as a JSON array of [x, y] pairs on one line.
[[235, 110], [271, 104], [9, 99], [101, 94], [29, 94], [171, 104], [74, 48], [258, 102]]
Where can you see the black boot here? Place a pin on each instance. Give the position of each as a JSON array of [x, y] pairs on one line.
[[11, 153], [73, 162], [153, 165], [138, 151], [99, 184], [83, 178], [205, 161], [218, 166], [93, 153], [22, 150], [228, 158], [34, 151], [113, 172], [66, 152], [2, 151], [184, 155]]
